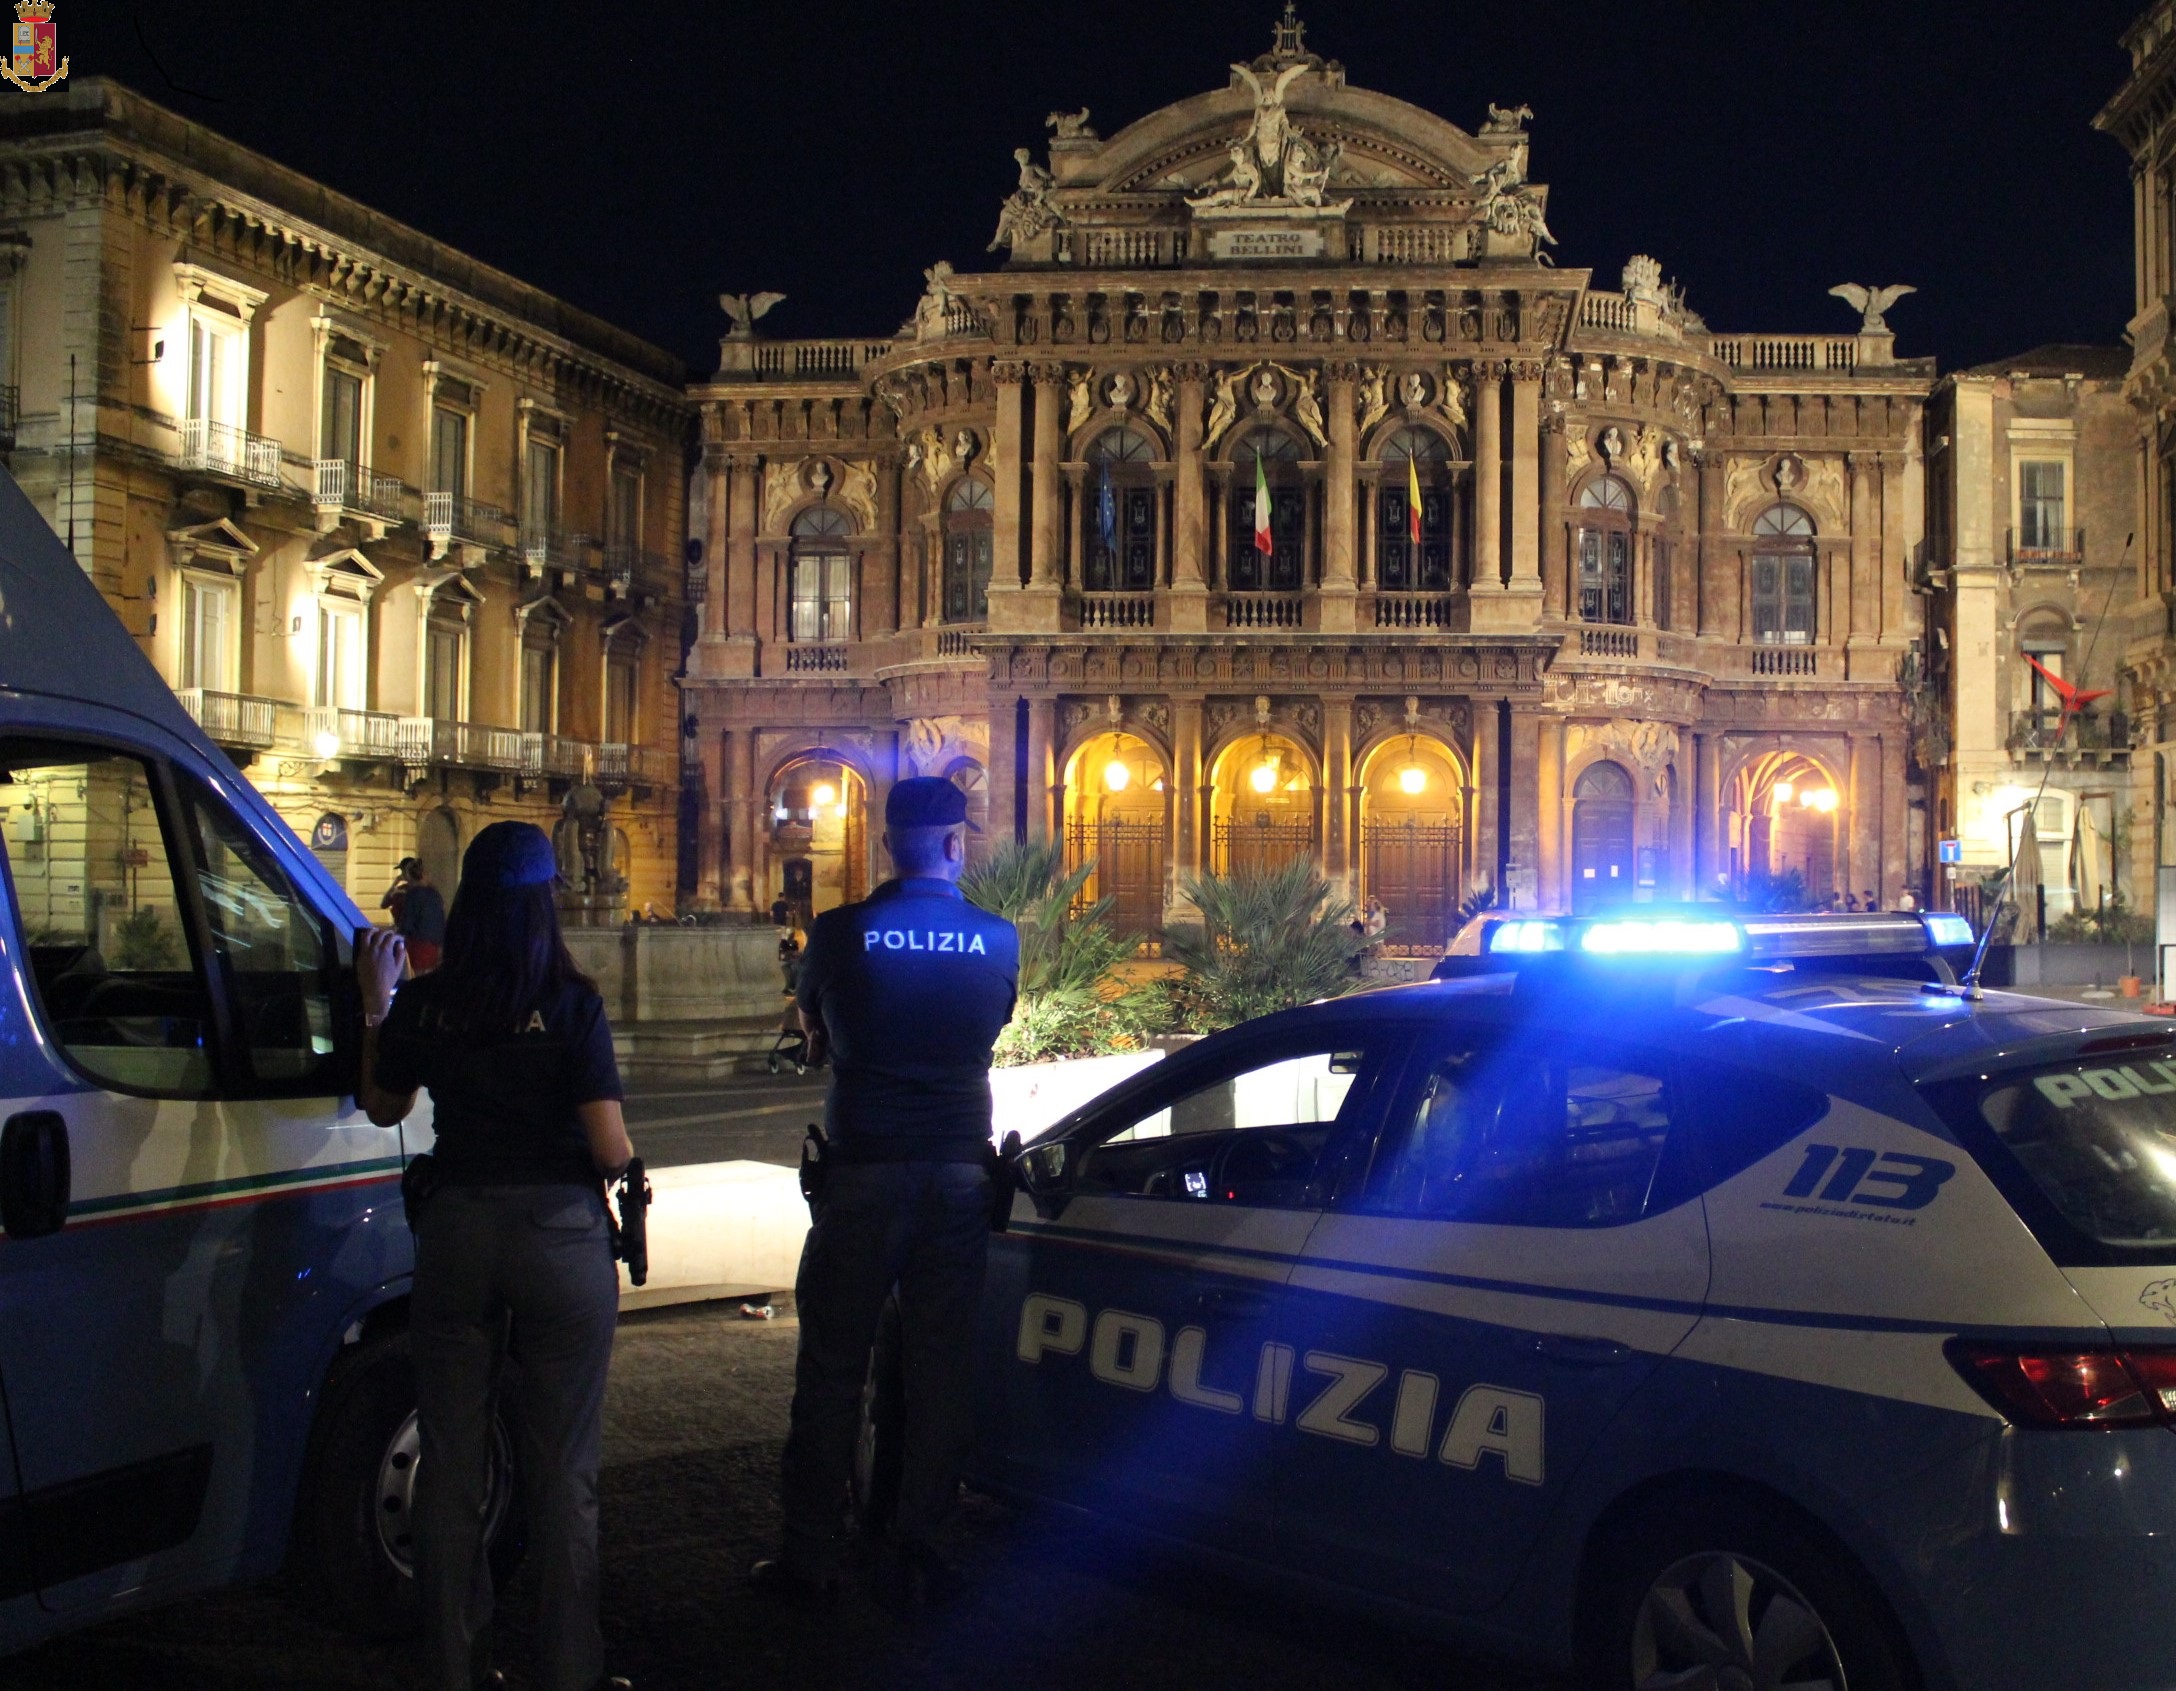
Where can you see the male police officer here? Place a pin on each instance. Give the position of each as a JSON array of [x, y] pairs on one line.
[[907, 991]]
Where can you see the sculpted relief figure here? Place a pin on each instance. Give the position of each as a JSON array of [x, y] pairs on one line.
[[1030, 210], [1373, 398], [1506, 205], [1507, 120], [936, 303], [1272, 163], [1080, 400], [1158, 405], [1870, 303], [1070, 126], [1414, 391], [1451, 399], [1223, 406], [1307, 406]]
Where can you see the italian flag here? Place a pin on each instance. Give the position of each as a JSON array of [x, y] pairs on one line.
[[1262, 542], [1412, 500]]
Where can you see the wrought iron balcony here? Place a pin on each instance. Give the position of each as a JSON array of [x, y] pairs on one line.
[[232, 719], [624, 764], [332, 732], [545, 546], [625, 564], [344, 485], [448, 518], [2048, 733], [432, 741], [2040, 544], [221, 449], [11, 410], [545, 755]]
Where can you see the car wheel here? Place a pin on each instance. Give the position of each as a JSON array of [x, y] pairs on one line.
[[354, 1532], [1733, 1597], [879, 1448]]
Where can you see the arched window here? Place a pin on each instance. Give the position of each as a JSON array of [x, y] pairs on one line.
[[1783, 577], [967, 552], [1401, 565], [1605, 551], [1282, 569], [822, 576], [1121, 514]]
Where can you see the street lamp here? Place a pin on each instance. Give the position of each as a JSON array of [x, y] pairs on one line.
[[1117, 776]]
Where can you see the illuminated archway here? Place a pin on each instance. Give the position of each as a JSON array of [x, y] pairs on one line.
[[817, 814], [1413, 797], [1262, 804], [1118, 815], [1784, 822]]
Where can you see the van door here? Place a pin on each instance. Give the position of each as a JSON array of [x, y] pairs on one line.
[[181, 1009]]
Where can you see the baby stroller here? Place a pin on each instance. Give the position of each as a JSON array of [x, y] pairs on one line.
[[791, 1047]]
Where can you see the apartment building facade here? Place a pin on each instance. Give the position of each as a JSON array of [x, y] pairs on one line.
[[402, 531]]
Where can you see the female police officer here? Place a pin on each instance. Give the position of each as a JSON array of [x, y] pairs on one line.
[[512, 1248]]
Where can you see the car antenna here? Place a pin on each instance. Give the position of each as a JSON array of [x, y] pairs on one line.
[[1969, 987]]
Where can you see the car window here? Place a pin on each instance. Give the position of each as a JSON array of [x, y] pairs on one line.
[[1514, 1134], [277, 953], [109, 943], [1260, 1130]]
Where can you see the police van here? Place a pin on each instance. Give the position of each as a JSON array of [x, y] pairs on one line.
[[1687, 1299], [204, 1268]]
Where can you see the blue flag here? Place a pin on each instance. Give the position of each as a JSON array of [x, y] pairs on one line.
[[1106, 510]]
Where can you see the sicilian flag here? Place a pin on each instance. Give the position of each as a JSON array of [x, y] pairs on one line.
[[1412, 500], [1106, 510], [1262, 541]]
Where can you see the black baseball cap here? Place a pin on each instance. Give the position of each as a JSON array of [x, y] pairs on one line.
[[925, 801]]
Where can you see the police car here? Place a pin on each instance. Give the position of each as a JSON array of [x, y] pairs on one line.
[[204, 1278], [1700, 1301]]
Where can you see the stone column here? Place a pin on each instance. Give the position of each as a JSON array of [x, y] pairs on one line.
[[1003, 715], [1707, 819], [1008, 562], [1522, 826], [1045, 569], [1488, 479], [1186, 778], [932, 570], [1710, 558], [1858, 845], [1339, 519], [1555, 565], [714, 571], [1526, 482], [1897, 869], [1189, 602], [743, 482], [712, 804], [1890, 562], [1865, 623], [1682, 802], [1339, 848], [1485, 820], [1553, 882], [1042, 776], [741, 801], [882, 614]]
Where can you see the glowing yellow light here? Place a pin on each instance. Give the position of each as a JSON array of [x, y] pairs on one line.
[[1157, 785], [327, 744], [1264, 777], [1784, 790], [1822, 798], [1117, 776], [1412, 778], [822, 794]]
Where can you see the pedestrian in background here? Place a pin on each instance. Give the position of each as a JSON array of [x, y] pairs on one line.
[[419, 915], [907, 991], [513, 1252]]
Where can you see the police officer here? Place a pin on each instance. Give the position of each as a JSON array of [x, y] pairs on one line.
[[513, 1254], [906, 992]]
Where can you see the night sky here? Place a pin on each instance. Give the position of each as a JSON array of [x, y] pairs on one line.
[[637, 160]]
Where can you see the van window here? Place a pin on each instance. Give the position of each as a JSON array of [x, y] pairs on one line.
[[107, 937], [1510, 1135], [276, 953]]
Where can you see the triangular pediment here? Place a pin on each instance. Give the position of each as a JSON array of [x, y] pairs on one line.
[[216, 545]]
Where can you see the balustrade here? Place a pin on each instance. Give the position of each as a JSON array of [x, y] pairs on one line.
[[1609, 643], [829, 659], [1117, 610], [232, 719], [1263, 610], [1785, 660], [1413, 610], [224, 450]]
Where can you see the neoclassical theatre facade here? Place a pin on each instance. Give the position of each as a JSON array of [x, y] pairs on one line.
[[1557, 593]]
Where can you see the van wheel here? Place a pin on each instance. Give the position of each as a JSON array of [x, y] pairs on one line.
[[1736, 1597], [354, 1531], [879, 1447]]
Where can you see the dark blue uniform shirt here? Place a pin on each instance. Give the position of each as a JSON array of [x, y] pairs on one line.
[[503, 1100], [913, 986]]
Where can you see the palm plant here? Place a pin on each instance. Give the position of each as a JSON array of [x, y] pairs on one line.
[[1267, 940], [1071, 1004]]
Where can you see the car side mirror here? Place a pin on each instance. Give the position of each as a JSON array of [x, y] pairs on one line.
[[1045, 1173]]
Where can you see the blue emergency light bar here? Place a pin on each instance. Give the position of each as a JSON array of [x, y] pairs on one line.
[[1694, 933]]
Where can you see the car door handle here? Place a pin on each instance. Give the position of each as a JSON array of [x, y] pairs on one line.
[[1579, 1351], [34, 1174], [1232, 1301]]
